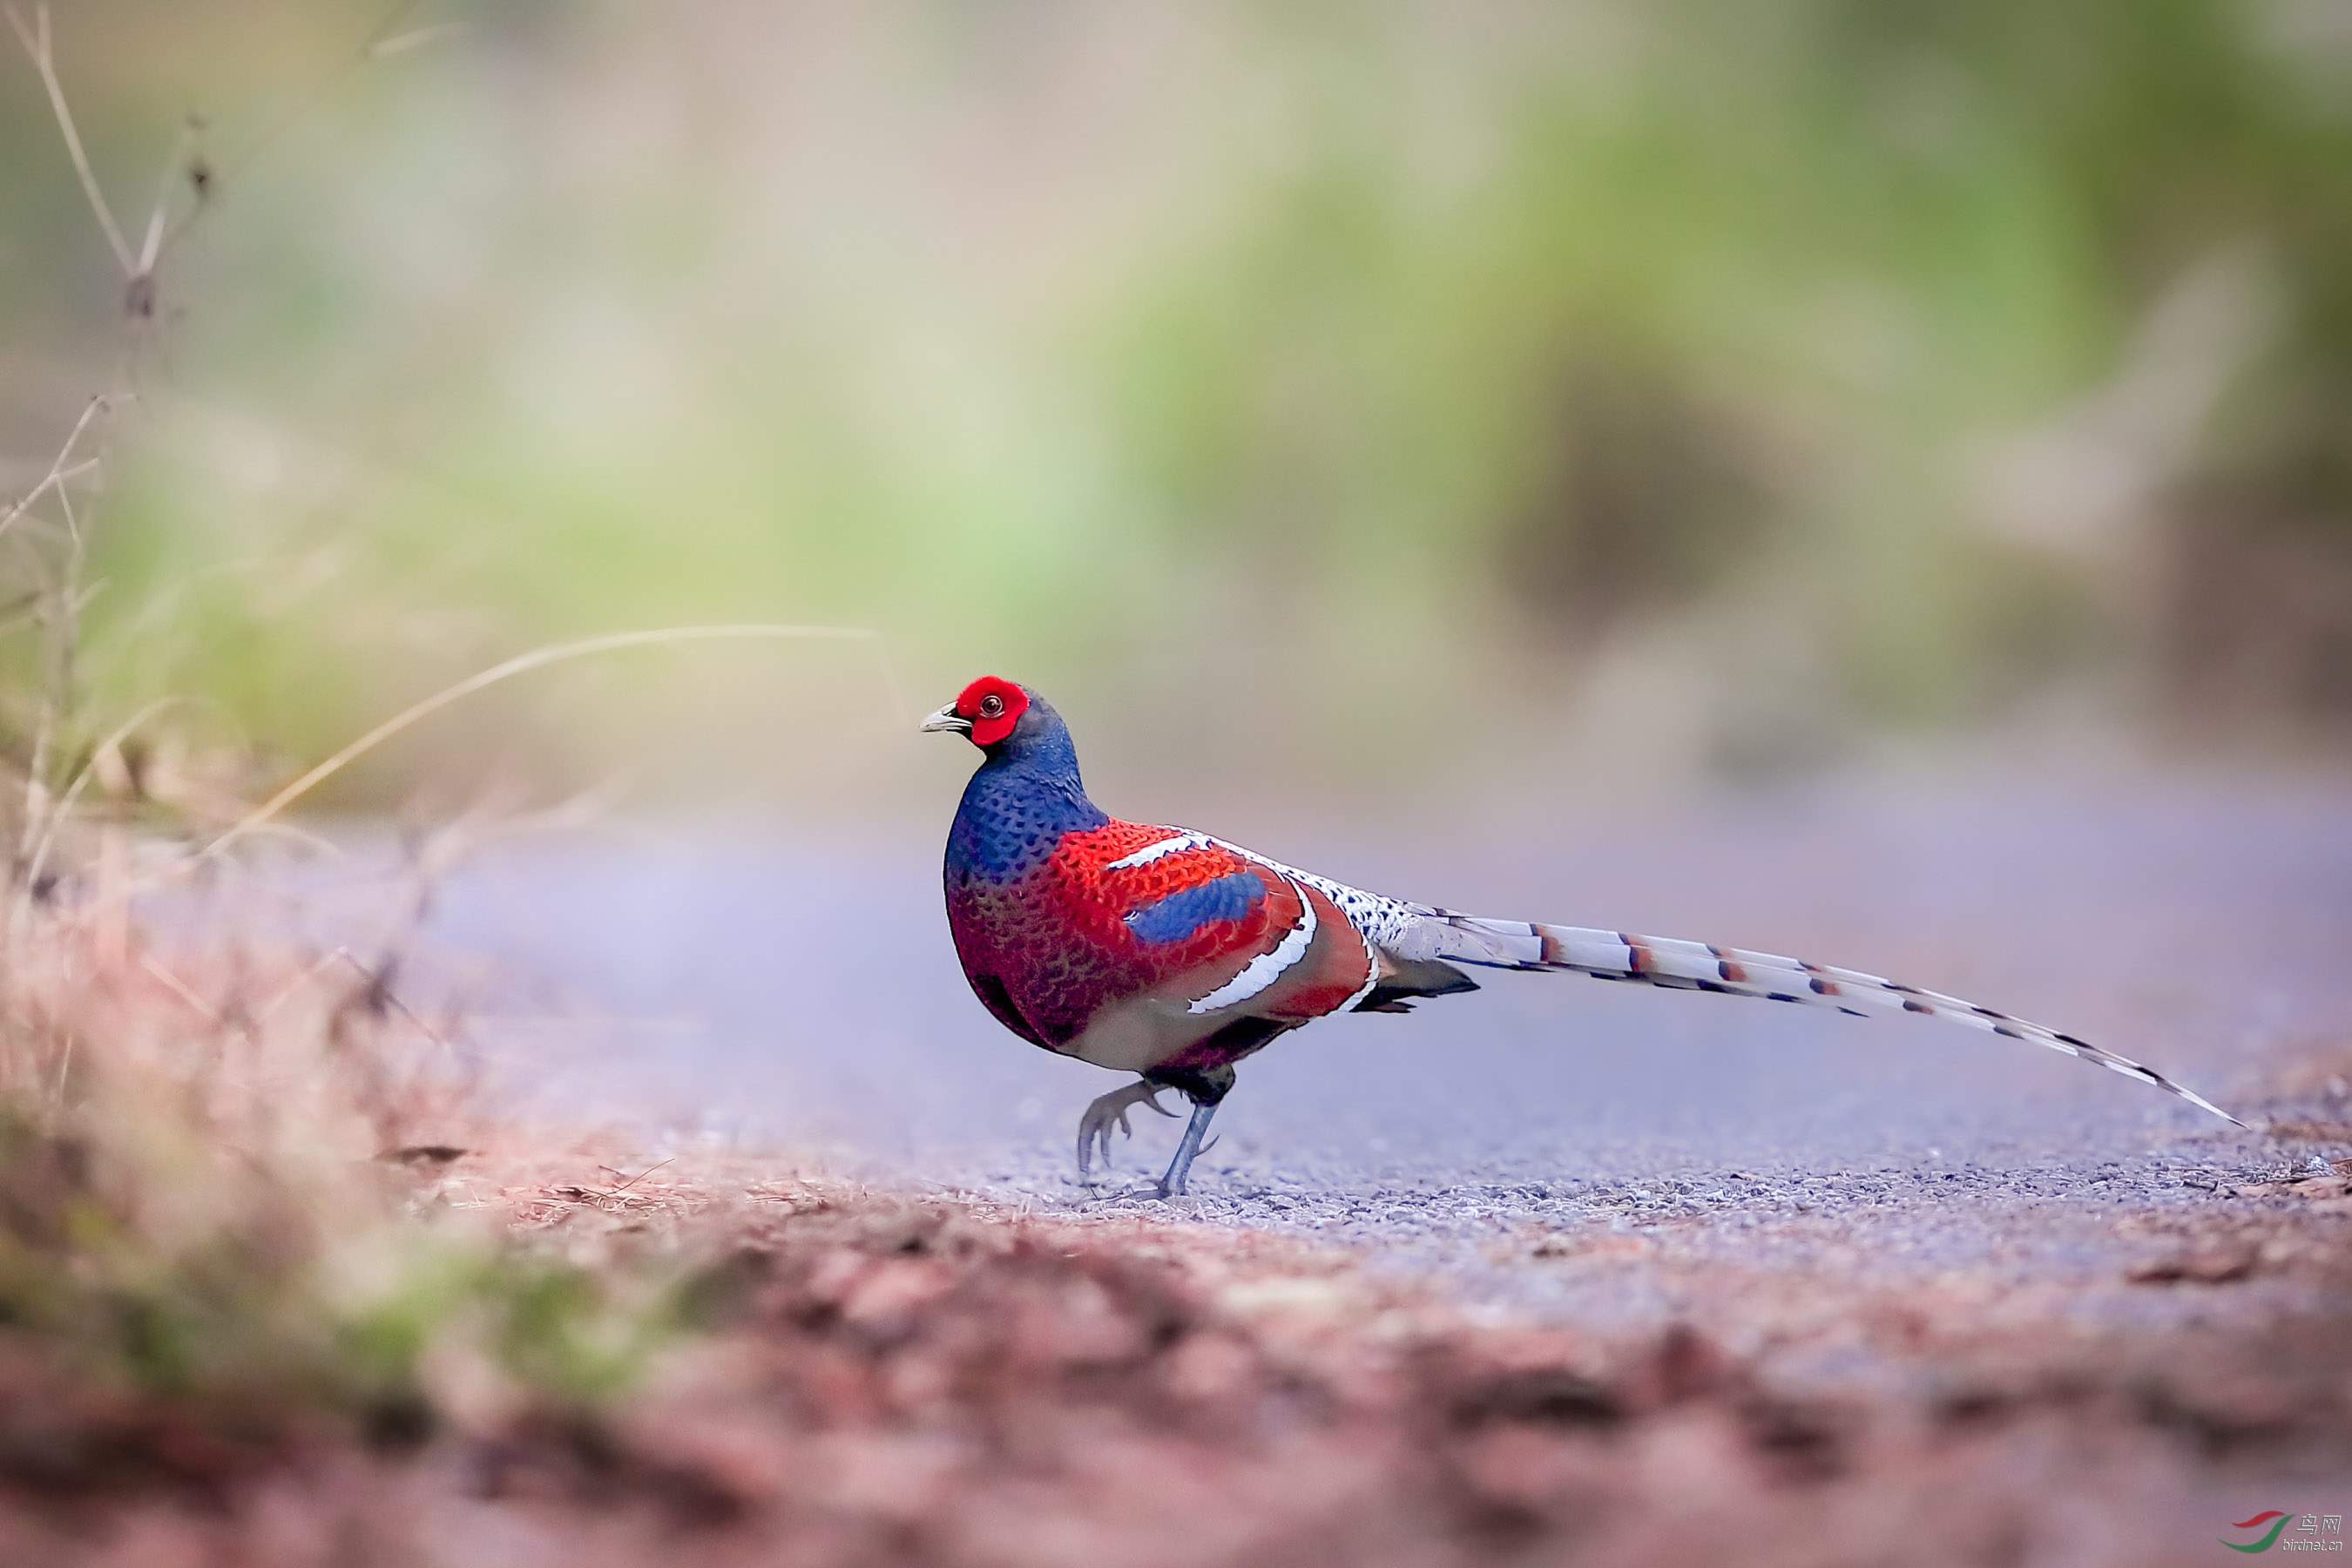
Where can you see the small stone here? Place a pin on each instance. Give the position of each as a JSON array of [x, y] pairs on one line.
[[2215, 1265]]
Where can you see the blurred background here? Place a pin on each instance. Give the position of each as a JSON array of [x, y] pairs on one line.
[[1869, 479], [1368, 395]]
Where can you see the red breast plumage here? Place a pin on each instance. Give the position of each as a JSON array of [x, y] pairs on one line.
[[1173, 954]]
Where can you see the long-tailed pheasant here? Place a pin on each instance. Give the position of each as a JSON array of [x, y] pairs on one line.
[[1171, 954]]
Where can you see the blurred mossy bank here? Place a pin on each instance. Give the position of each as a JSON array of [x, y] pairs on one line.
[[1719, 386]]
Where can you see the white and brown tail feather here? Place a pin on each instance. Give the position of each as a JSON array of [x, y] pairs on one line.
[[1695, 966], [1416, 933]]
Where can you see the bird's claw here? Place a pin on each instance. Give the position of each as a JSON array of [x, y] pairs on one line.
[[1112, 1110]]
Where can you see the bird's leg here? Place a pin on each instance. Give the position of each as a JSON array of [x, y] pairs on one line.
[[1110, 1111], [1206, 1088], [1171, 1186]]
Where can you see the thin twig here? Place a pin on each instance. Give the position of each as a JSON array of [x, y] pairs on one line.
[[35, 773], [41, 807], [37, 44], [316, 968], [63, 467], [640, 1176], [73, 530], [309, 100], [316, 843], [417, 38], [538, 659], [55, 481], [180, 988], [375, 983], [152, 249], [81, 778]]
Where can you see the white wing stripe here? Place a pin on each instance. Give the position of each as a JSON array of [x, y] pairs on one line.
[[1267, 967], [1154, 850]]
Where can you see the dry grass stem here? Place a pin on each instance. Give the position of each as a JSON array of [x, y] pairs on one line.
[[63, 469], [537, 658], [36, 40], [317, 94]]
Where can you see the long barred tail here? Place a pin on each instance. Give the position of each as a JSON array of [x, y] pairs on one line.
[[1694, 966]]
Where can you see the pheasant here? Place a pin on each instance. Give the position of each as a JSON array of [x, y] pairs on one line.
[[1171, 954]]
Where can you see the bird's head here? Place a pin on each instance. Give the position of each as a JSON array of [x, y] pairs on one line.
[[985, 712]]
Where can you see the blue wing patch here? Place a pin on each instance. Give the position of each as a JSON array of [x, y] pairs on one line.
[[1178, 915]]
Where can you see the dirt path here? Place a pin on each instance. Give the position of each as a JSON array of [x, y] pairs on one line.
[[803, 997], [879, 1380], [1559, 1270]]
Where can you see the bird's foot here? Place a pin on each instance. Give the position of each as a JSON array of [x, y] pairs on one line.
[[1110, 1111]]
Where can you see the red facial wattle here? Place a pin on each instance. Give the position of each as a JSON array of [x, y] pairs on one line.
[[994, 705]]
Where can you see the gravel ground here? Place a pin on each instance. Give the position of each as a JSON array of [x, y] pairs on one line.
[[804, 994], [1555, 1271]]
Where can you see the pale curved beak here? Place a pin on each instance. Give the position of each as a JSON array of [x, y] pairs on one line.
[[947, 719]]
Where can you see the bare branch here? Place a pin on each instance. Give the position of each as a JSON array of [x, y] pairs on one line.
[[36, 40]]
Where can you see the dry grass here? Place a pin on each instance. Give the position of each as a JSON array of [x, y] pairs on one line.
[[227, 1249], [222, 1237]]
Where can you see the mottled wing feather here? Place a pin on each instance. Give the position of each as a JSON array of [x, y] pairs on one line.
[[1306, 956], [1067, 938]]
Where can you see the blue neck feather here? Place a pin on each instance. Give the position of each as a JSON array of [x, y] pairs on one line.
[[1017, 807]]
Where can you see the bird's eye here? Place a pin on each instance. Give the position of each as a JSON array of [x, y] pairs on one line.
[[992, 706]]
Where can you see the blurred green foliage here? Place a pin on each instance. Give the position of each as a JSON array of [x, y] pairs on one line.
[[281, 1308], [1861, 362]]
